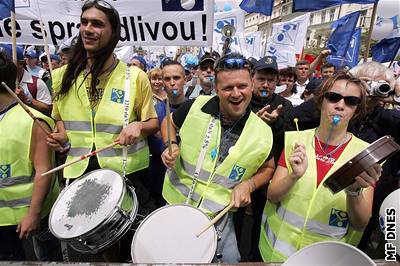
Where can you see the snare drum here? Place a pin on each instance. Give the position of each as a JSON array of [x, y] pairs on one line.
[[94, 212], [168, 235]]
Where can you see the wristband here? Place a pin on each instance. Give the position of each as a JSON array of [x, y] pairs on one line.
[[166, 144], [353, 193]]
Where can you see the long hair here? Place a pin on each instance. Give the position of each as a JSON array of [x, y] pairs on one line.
[[79, 56]]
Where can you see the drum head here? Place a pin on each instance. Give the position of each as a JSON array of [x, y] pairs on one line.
[[84, 204], [168, 235], [329, 253]]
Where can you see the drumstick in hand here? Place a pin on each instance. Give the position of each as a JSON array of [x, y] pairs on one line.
[[169, 126], [25, 108], [216, 218], [80, 158]]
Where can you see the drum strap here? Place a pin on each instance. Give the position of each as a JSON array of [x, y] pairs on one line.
[[202, 155], [126, 116]]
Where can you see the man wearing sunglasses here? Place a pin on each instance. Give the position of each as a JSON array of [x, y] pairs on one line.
[[231, 146], [206, 75]]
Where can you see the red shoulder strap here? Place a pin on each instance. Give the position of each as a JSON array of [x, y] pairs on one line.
[[32, 87]]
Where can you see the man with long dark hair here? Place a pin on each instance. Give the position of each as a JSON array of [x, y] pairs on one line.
[[99, 100]]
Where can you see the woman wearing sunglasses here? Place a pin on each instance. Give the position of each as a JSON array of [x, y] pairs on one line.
[[300, 210]]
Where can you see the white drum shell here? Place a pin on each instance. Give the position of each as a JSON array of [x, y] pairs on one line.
[[168, 235], [329, 253]]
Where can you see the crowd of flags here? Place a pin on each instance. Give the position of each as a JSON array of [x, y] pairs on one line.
[[344, 40]]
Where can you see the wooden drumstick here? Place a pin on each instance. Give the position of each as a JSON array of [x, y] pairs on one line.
[[15, 96], [216, 218], [169, 126], [82, 157], [296, 120]]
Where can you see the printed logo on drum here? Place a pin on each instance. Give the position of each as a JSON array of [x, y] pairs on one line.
[[5, 170], [182, 5], [117, 95], [237, 172], [338, 218]]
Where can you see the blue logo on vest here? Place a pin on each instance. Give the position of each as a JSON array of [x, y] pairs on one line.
[[117, 95], [5, 170], [237, 172], [338, 218]]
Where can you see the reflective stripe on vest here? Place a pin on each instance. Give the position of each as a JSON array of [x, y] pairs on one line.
[[204, 176], [281, 246], [15, 203], [173, 177], [78, 126], [312, 225], [110, 152], [11, 181]]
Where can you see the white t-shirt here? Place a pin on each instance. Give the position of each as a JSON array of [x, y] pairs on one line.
[[301, 88], [43, 93], [34, 71]]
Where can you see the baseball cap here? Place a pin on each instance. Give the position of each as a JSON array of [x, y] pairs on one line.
[[267, 62], [7, 48], [32, 54], [206, 58], [313, 85]]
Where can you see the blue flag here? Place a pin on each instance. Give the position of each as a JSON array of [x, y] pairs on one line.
[[386, 50], [6, 6], [341, 34], [351, 59], [312, 5], [257, 6]]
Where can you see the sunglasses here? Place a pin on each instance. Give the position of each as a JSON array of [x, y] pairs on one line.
[[205, 67], [98, 2], [334, 97], [232, 63]]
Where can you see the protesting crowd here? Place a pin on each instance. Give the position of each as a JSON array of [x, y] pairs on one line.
[[222, 134]]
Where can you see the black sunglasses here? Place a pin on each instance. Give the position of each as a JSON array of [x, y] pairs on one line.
[[334, 97], [232, 63]]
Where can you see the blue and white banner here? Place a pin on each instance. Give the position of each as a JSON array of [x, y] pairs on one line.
[[234, 18], [291, 33], [144, 22], [284, 58]]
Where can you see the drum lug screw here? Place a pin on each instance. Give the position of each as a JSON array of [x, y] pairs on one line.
[[218, 256]]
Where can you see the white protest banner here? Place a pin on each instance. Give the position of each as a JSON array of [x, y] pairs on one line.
[[234, 18], [284, 58], [252, 47], [144, 22], [291, 33]]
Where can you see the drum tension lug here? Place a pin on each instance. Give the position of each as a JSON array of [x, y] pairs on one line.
[[218, 256]]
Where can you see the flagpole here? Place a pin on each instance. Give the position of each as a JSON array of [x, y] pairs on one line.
[[371, 27], [14, 37], [45, 43]]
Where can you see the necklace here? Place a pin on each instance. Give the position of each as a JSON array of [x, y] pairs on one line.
[[331, 153]]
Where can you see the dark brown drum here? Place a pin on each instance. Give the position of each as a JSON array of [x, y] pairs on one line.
[[377, 152]]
